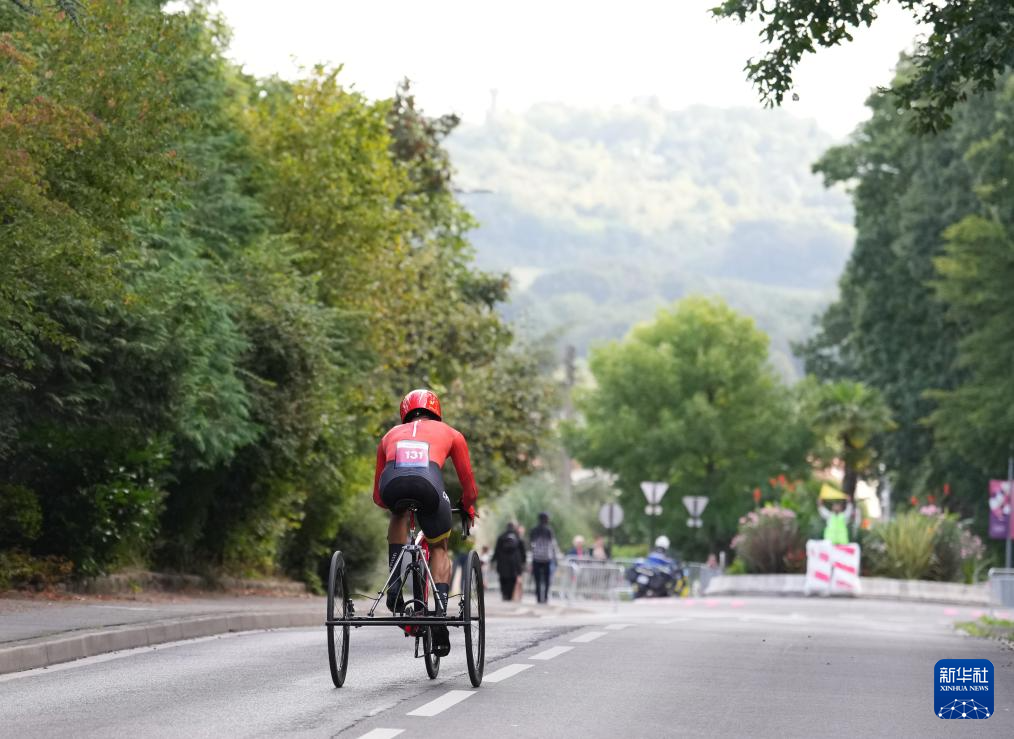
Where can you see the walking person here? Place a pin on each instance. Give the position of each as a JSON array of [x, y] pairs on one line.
[[542, 544], [508, 555], [519, 586]]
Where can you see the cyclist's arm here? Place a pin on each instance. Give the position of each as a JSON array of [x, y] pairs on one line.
[[381, 462], [463, 466]]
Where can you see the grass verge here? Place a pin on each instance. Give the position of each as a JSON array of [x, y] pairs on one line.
[[990, 628]]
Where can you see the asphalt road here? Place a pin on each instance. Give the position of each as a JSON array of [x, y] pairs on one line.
[[723, 667]]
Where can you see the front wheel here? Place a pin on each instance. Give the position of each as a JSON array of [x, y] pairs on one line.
[[473, 613], [337, 608]]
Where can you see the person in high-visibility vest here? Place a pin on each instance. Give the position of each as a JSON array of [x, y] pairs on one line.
[[836, 530]]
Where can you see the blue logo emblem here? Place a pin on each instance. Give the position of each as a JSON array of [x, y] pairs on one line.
[[963, 688]]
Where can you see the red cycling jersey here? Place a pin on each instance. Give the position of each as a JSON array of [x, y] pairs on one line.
[[442, 440]]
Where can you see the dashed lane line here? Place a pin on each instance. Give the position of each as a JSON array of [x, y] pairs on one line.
[[552, 652], [505, 672], [587, 637], [381, 734], [617, 627], [441, 704]]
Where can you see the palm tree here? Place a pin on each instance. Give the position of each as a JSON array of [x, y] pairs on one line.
[[846, 417]]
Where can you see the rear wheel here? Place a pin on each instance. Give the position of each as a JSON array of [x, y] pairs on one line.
[[337, 608], [419, 593], [474, 615]]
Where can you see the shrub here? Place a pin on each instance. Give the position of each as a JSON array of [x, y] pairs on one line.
[[769, 541], [20, 570], [924, 544], [20, 516]]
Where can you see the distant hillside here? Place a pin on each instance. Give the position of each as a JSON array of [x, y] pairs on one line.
[[604, 215]]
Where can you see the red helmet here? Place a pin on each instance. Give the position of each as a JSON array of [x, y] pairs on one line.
[[426, 399]]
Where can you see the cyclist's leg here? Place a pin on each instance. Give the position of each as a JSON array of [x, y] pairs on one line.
[[397, 529], [440, 562], [435, 520]]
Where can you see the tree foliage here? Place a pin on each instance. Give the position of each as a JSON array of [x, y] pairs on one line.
[[922, 317], [969, 45], [846, 417], [690, 399], [977, 266], [214, 291]]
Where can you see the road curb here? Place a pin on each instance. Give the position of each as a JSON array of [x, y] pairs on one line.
[[66, 647], [879, 588]]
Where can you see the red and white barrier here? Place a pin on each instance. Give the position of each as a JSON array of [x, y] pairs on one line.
[[831, 569]]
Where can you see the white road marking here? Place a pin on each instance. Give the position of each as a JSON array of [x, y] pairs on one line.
[[505, 672], [585, 638], [550, 653], [667, 621], [441, 704], [381, 733], [617, 627]]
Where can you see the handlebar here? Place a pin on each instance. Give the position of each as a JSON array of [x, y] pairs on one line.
[[465, 521]]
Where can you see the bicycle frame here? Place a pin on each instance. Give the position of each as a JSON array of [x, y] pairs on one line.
[[418, 563]]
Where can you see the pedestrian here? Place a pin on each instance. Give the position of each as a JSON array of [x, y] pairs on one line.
[[508, 555], [519, 586], [577, 551], [542, 544], [599, 549], [836, 529]]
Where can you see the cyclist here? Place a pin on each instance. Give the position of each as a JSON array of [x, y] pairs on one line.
[[409, 462]]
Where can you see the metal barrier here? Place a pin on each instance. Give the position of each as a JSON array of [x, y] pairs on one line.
[[1001, 584], [583, 579]]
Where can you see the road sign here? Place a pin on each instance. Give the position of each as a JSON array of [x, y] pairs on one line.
[[611, 515], [694, 523], [653, 491], [653, 510], [695, 504]]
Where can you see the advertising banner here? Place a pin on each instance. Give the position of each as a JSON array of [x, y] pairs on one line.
[[999, 509]]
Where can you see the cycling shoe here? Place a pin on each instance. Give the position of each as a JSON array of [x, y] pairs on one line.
[[395, 603], [441, 641]]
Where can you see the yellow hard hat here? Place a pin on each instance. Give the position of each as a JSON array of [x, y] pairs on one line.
[[830, 492]]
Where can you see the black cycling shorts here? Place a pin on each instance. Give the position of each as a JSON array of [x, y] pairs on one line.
[[425, 486]]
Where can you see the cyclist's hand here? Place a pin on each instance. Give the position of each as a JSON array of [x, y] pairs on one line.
[[472, 515]]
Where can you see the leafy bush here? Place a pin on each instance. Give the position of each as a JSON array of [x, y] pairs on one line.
[[20, 570], [20, 516], [769, 541], [362, 539], [923, 544]]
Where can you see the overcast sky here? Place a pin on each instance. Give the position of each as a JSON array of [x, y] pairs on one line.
[[585, 53]]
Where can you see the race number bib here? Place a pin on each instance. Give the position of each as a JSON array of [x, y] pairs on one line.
[[412, 454]]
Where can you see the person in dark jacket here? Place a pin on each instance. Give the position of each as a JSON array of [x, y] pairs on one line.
[[543, 547], [509, 557]]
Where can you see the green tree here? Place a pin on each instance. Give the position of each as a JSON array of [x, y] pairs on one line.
[[846, 417], [689, 399], [888, 329], [974, 418], [970, 45]]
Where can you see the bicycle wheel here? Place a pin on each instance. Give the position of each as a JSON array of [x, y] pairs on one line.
[[432, 660], [474, 615], [337, 607]]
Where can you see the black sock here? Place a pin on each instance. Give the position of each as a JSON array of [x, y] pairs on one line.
[[443, 590], [393, 551]]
